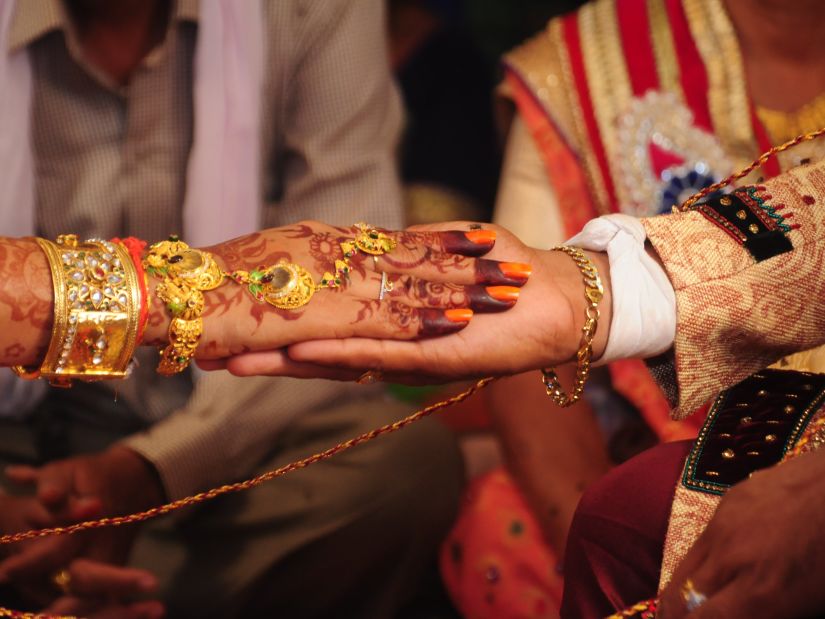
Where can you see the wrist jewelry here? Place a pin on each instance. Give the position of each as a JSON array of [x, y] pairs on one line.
[[96, 311], [135, 248], [593, 293], [187, 273]]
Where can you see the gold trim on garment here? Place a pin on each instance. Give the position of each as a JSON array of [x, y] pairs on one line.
[[595, 182], [539, 63], [664, 50], [544, 64], [784, 126], [728, 100], [607, 77]]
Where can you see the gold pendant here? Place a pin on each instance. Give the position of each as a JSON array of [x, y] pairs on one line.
[[286, 286], [175, 259], [199, 270]]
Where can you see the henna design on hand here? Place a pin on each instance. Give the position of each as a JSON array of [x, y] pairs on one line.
[[473, 243], [423, 322], [439, 294], [398, 315], [324, 249], [441, 262], [248, 252], [479, 298], [14, 351], [298, 231], [23, 270], [25, 289]]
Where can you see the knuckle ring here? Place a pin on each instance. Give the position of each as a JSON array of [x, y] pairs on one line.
[[692, 597], [370, 377], [386, 286], [62, 579]]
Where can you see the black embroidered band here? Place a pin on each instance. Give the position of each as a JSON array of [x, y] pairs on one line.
[[747, 216]]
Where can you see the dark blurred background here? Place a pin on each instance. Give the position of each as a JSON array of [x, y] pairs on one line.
[[446, 56]]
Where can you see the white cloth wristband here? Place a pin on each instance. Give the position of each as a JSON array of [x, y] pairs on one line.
[[644, 303]]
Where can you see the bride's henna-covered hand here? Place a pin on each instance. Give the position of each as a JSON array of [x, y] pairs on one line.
[[544, 329], [437, 281], [25, 301]]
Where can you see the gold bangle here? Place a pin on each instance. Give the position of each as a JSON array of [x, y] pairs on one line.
[[593, 293], [60, 312], [96, 311]]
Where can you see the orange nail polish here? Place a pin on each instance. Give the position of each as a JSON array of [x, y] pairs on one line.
[[517, 270], [481, 237], [458, 315], [503, 293]]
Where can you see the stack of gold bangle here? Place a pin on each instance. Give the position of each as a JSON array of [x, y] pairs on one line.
[[96, 311]]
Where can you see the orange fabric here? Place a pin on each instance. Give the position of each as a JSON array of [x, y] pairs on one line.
[[495, 563]]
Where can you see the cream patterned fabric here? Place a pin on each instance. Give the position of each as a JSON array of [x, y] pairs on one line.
[[736, 316]]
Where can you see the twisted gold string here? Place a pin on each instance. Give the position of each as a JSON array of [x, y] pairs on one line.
[[202, 497], [648, 605], [760, 161]]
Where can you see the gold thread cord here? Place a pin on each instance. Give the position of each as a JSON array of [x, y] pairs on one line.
[[202, 497], [756, 163]]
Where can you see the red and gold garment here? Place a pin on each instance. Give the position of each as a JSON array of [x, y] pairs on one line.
[[633, 105], [636, 105]]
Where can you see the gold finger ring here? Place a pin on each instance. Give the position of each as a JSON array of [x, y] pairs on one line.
[[372, 241], [386, 286], [692, 597], [370, 377], [62, 579]]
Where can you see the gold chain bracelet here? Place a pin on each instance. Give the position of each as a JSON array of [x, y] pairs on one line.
[[593, 293]]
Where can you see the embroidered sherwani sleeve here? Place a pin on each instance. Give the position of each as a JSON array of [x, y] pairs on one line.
[[736, 314]]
